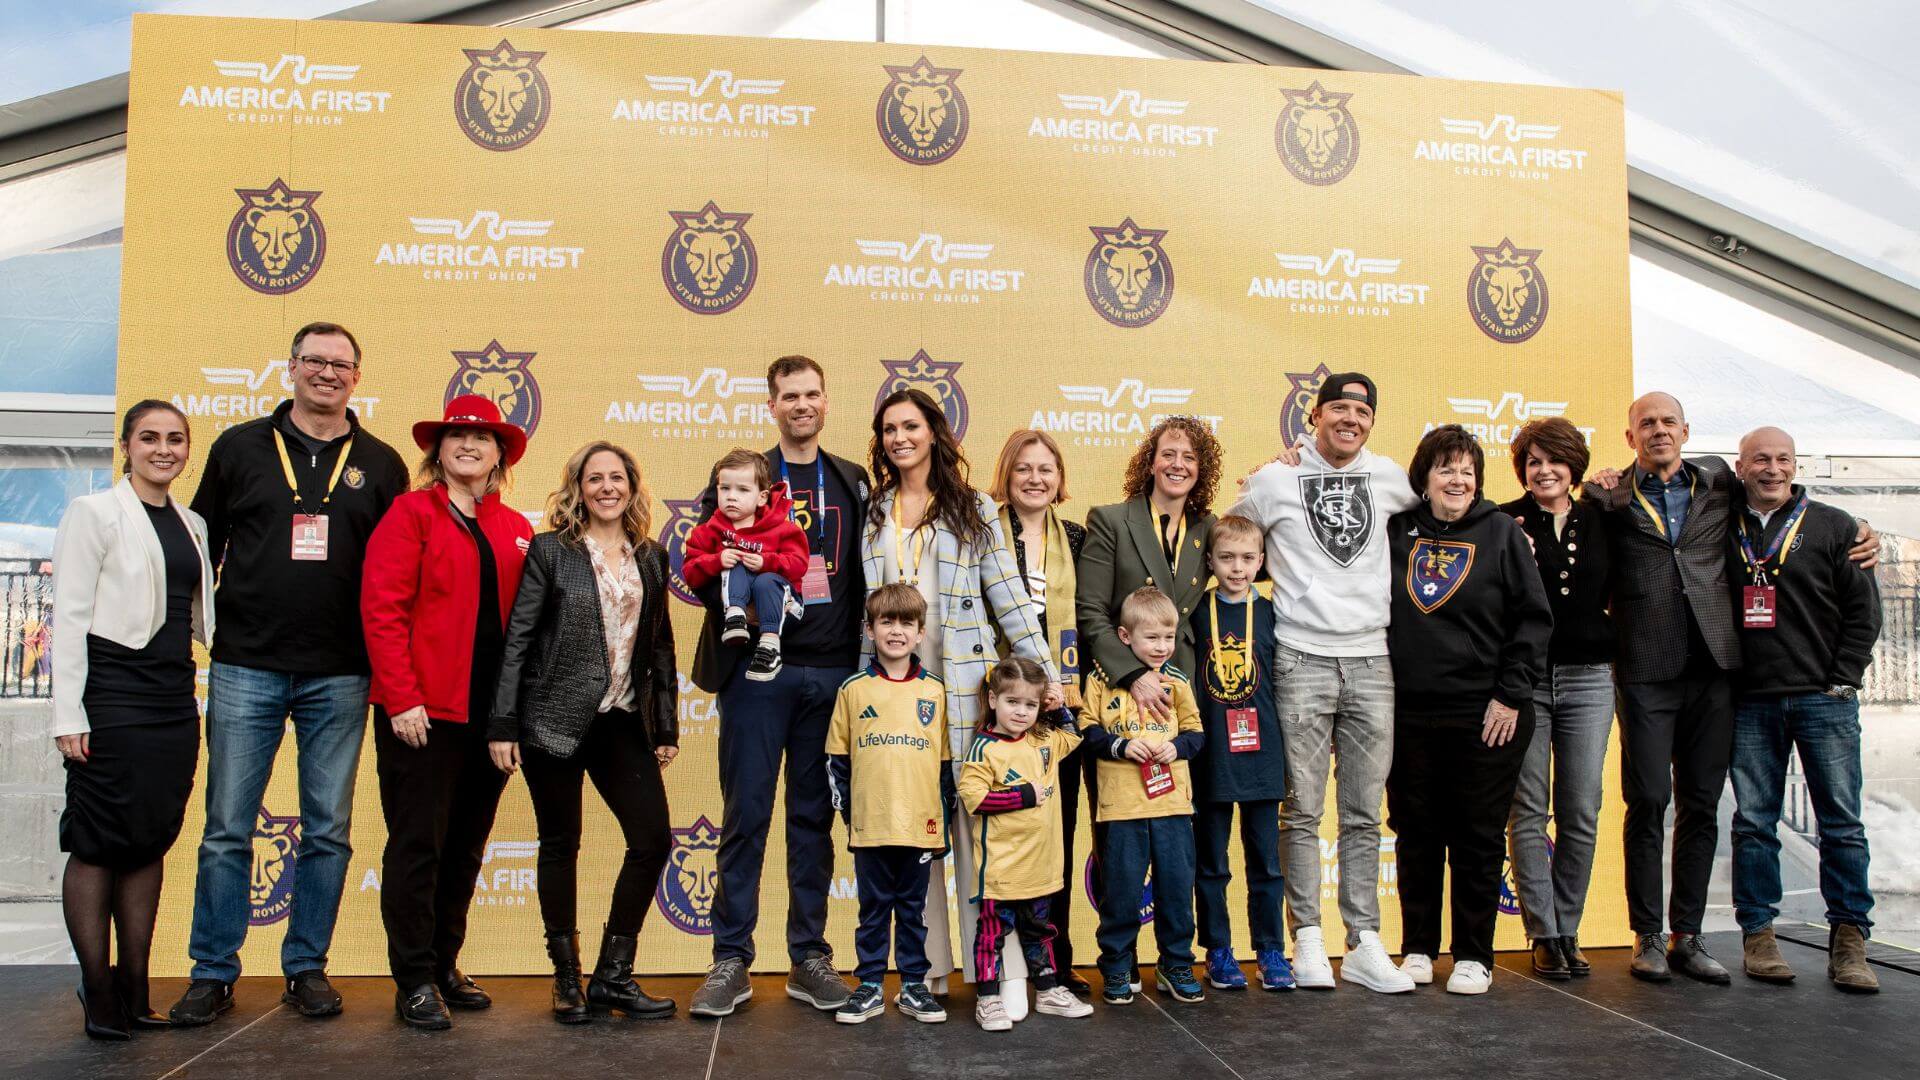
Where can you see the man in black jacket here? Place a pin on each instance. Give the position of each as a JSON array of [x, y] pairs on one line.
[[762, 721], [290, 500], [1808, 620]]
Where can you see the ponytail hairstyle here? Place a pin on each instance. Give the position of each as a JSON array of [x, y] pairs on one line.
[[1008, 673], [133, 414]]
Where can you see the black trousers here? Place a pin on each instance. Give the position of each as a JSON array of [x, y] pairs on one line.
[[1060, 905], [619, 757], [1676, 741], [893, 906], [1448, 797], [439, 802]]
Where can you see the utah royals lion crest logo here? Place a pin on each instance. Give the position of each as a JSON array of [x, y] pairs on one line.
[[682, 516], [1296, 416], [935, 378], [922, 114], [1316, 135], [275, 242], [709, 263], [1507, 293], [1129, 279], [276, 857], [1339, 513], [502, 100], [1435, 570], [692, 878], [501, 377]]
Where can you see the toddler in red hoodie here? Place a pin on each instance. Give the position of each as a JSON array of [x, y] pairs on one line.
[[755, 550]]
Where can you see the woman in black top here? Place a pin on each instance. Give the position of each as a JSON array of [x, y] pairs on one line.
[[132, 591], [1572, 706], [1468, 641], [588, 689]]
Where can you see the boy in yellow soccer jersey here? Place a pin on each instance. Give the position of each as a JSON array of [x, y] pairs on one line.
[[887, 764], [1146, 802], [1007, 783]]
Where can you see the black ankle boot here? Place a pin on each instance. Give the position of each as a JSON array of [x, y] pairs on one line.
[[569, 1004], [612, 986]]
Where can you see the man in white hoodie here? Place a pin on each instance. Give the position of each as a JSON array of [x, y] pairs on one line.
[[1325, 520]]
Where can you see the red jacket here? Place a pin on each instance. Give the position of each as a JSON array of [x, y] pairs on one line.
[[420, 595], [771, 534]]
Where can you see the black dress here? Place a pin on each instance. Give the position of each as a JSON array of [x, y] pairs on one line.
[[125, 804]]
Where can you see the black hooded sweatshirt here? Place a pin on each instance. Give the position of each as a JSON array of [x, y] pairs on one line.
[[1470, 618]]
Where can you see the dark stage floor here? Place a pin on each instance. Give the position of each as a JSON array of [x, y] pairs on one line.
[[1608, 1025]]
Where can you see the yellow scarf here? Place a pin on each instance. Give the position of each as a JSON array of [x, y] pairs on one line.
[[1061, 617]]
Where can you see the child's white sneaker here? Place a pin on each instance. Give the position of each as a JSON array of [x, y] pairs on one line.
[[1311, 968], [991, 1014], [1060, 1001], [1419, 968]]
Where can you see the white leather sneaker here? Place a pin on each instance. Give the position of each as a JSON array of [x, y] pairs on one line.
[[1311, 968], [1419, 968], [1060, 1001], [1367, 964], [1013, 994], [1469, 977], [991, 1014]]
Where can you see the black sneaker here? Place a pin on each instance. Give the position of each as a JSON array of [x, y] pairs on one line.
[[765, 664], [312, 994], [733, 626], [203, 1003], [867, 1002], [916, 1001], [1117, 991], [1178, 981]]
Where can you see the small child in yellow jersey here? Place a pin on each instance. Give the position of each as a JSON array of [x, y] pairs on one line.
[[1007, 783], [887, 765], [1146, 804]]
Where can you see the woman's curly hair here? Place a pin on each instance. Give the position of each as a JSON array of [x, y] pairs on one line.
[[1139, 479]]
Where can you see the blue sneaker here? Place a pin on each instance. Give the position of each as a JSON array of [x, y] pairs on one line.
[[1223, 970], [1116, 990], [1180, 983], [1275, 972]]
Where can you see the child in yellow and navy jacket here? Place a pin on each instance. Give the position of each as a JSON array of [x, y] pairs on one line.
[[1008, 783], [888, 768], [1146, 804]]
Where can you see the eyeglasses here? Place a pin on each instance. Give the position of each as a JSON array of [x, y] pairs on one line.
[[317, 364]]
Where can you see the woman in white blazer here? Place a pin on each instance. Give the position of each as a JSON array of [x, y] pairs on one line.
[[132, 591]]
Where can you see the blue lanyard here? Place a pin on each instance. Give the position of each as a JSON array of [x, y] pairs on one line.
[[819, 495], [1782, 539]]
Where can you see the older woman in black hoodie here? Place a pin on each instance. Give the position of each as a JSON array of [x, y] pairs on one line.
[[1469, 641]]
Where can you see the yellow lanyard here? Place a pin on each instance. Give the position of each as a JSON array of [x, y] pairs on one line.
[[910, 576], [1213, 602], [1693, 486], [1782, 545], [286, 466]]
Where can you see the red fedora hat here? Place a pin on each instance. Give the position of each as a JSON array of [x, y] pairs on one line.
[[473, 411]]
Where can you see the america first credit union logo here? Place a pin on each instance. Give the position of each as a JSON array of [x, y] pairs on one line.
[[1316, 135], [1129, 279], [276, 855], [1128, 122], [290, 89], [709, 262], [935, 378], [1340, 283], [486, 245], [1339, 513], [1501, 146], [276, 241], [682, 516], [927, 268], [1507, 292], [720, 104], [501, 377], [1435, 571], [922, 113], [502, 100], [686, 890], [1296, 415]]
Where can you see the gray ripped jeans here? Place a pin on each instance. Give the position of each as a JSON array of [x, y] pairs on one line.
[[1334, 707]]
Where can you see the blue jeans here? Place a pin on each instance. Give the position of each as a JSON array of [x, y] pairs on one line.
[[767, 591], [1266, 880], [1560, 779], [1826, 731], [1164, 844], [247, 711]]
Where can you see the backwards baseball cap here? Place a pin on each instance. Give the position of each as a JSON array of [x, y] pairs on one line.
[[1340, 388]]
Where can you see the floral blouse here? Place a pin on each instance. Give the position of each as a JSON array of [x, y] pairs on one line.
[[621, 593]]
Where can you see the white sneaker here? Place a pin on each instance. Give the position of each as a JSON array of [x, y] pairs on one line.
[[1060, 1001], [991, 1014], [1369, 965], [1469, 977], [1013, 994], [1311, 968], [1419, 968]]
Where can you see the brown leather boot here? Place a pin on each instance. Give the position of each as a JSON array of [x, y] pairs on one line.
[[1847, 961], [1763, 959]]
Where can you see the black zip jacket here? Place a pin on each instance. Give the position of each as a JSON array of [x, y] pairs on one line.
[[276, 613], [1471, 621], [1826, 609]]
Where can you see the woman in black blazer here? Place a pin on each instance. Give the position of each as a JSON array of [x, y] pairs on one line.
[[588, 689]]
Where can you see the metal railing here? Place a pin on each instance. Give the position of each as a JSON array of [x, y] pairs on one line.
[[26, 628]]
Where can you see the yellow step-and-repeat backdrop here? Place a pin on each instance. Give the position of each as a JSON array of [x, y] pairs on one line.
[[613, 234]]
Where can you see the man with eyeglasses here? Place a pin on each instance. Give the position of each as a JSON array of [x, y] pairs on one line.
[[289, 500]]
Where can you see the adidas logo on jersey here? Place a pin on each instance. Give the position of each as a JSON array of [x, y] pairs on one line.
[[870, 713]]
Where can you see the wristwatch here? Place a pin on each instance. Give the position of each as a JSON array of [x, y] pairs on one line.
[[1842, 692]]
